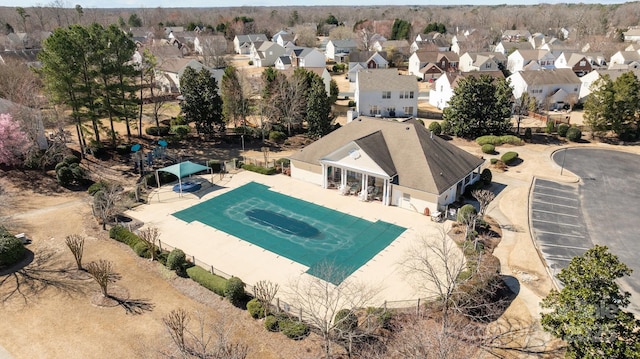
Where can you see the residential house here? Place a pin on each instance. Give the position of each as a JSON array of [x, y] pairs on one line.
[[482, 61], [399, 163], [515, 35], [169, 72], [306, 57], [552, 88], [445, 85], [430, 73], [384, 92], [210, 45], [264, 54], [339, 50], [165, 51], [589, 79], [283, 62], [242, 43], [284, 38], [359, 60], [519, 59], [439, 43], [183, 39], [446, 61], [632, 35], [578, 62], [624, 58], [506, 48]]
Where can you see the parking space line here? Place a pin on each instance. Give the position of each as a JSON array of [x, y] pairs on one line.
[[552, 212], [559, 234], [554, 189], [560, 224], [558, 258], [555, 204], [553, 195], [561, 246]]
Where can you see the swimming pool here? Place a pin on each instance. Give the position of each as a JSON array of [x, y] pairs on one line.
[[302, 231]]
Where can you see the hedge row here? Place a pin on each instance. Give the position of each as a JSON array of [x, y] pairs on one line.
[[210, 281], [259, 169], [499, 140], [121, 234]]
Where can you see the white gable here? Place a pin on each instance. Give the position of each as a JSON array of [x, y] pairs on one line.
[[353, 157]]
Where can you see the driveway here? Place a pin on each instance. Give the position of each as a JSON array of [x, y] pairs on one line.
[[605, 205]]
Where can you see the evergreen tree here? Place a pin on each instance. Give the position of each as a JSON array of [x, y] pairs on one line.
[[588, 312], [201, 103], [319, 115], [614, 105], [480, 106]]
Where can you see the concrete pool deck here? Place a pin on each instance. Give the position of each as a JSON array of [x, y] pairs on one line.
[[251, 263]]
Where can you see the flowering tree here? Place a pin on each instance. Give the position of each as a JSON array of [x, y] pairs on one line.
[[14, 142]]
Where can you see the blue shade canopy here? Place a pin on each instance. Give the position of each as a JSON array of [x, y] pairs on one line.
[[184, 169], [136, 147], [162, 143]]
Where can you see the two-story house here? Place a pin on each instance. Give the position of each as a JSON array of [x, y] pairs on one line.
[[444, 86], [265, 53], [519, 59], [339, 50], [242, 43], [446, 61], [384, 92], [551, 88], [482, 61], [506, 47], [577, 61]]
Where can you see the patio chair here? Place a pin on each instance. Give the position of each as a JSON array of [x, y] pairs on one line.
[[343, 190]]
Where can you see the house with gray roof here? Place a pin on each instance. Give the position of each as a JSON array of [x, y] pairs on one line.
[[338, 50], [520, 59], [242, 43], [359, 60], [169, 72], [399, 163], [265, 53], [384, 92], [552, 88]]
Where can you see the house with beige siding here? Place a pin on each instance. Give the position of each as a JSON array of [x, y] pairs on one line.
[[398, 163]]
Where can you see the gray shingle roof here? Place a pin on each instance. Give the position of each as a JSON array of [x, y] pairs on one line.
[[550, 77], [423, 162], [387, 79]]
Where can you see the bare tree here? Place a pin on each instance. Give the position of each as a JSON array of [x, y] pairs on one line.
[[75, 242], [288, 100], [265, 291], [320, 300], [150, 236], [484, 198], [214, 50], [107, 203], [201, 341], [437, 265], [341, 33], [102, 273]]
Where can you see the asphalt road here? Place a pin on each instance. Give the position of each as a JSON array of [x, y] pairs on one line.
[[606, 208]]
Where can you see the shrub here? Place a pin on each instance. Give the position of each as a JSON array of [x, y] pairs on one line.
[[181, 131], [277, 136], [283, 162], [96, 148], [488, 148], [157, 131], [466, 211], [509, 157], [562, 129], [382, 316], [234, 291], [446, 127], [486, 176], [70, 159], [511, 140], [293, 329], [96, 187], [488, 140], [494, 161], [216, 166], [551, 126], [527, 133], [175, 259], [250, 62], [259, 169], [68, 174], [255, 309], [345, 320], [178, 121], [271, 323], [574, 134], [420, 121], [351, 103], [11, 250], [142, 250], [123, 150], [210, 281], [435, 128], [165, 177]]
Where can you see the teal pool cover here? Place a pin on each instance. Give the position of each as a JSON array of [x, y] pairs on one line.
[[302, 231]]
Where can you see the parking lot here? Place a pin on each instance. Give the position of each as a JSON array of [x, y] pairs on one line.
[[557, 222]]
